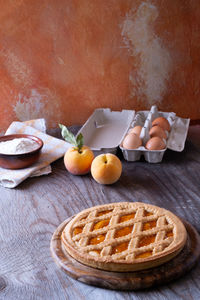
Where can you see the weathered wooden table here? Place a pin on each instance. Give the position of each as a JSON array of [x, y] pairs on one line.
[[31, 212]]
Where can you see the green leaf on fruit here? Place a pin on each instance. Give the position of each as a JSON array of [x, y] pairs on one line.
[[79, 141], [70, 137]]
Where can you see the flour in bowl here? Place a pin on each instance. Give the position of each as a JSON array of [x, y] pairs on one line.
[[18, 146]]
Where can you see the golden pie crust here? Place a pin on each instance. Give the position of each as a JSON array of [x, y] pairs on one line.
[[124, 236]]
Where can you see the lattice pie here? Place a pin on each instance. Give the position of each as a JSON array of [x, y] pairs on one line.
[[124, 236]]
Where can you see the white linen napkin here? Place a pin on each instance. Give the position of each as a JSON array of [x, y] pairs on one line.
[[52, 150]]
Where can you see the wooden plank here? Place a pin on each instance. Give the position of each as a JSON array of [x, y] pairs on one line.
[[31, 212]]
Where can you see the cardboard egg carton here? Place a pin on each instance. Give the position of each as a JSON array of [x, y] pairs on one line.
[[175, 138], [105, 130]]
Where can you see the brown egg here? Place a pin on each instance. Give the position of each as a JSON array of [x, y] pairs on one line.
[[137, 130], [132, 141], [162, 122], [158, 131], [155, 143]]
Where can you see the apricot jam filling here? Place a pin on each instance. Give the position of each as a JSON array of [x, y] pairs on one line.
[[166, 222], [101, 213], [101, 224], [120, 248], [169, 233], [144, 254], [123, 231], [147, 213], [97, 239], [93, 252], [126, 217], [77, 230], [149, 225], [146, 240]]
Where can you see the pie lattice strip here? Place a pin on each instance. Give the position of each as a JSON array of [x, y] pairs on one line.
[[110, 233], [87, 228], [136, 234], [160, 235]]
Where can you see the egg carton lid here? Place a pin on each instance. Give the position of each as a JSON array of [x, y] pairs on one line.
[[105, 129], [178, 134]]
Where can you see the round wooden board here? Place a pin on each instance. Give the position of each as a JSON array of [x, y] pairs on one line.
[[169, 271]]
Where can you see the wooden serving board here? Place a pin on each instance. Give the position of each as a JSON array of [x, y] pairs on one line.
[[169, 271]]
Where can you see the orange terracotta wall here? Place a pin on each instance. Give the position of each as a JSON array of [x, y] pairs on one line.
[[61, 59]]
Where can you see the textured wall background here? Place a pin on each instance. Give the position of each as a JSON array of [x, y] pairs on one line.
[[62, 59]]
